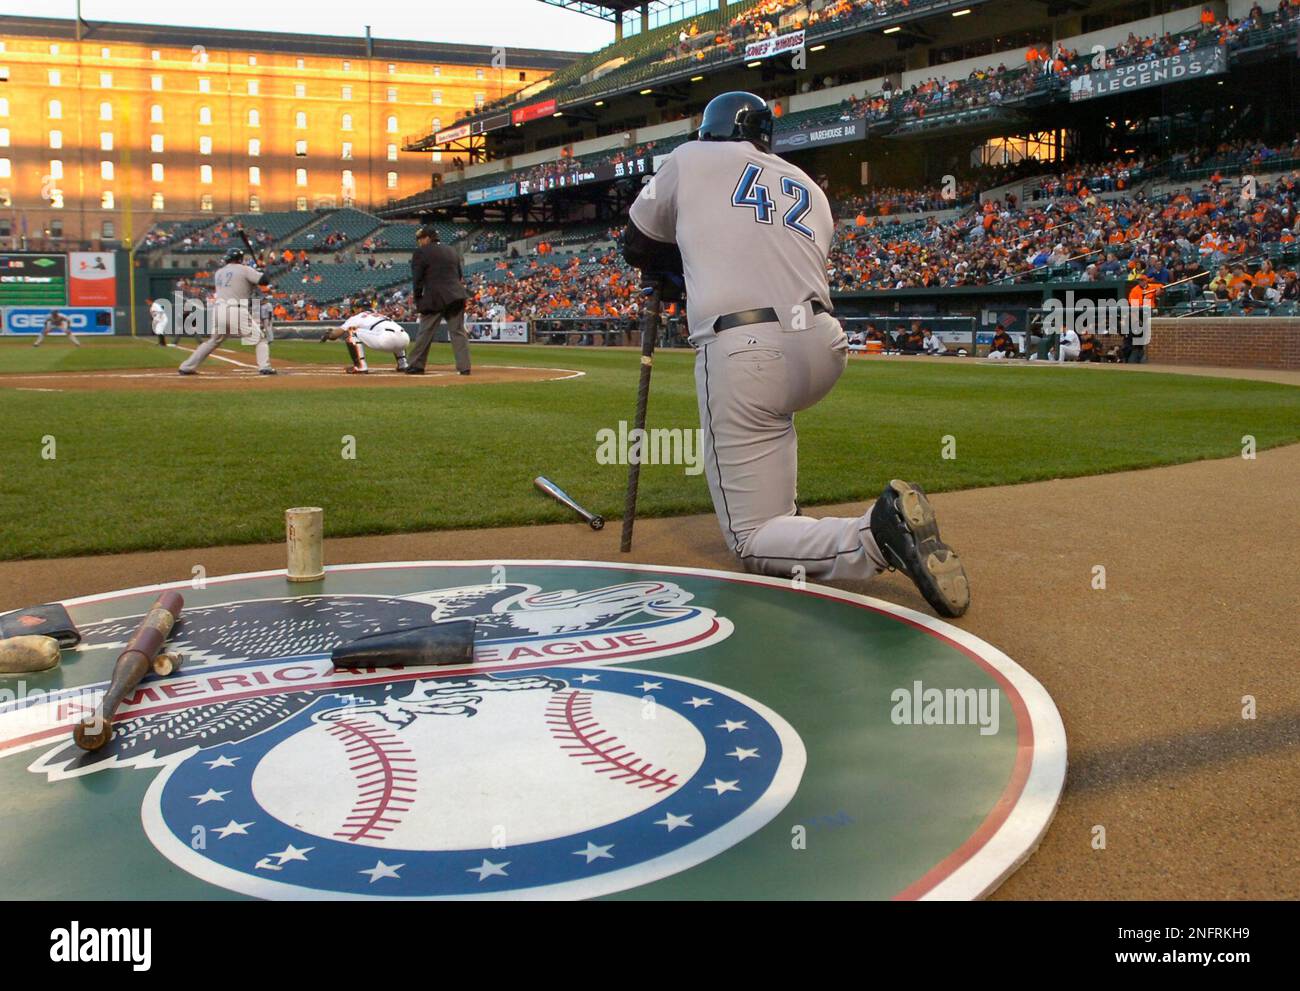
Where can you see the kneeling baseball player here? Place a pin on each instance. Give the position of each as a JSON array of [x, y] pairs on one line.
[[369, 329], [751, 233]]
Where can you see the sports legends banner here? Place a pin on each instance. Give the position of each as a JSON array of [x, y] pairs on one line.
[[1150, 72]]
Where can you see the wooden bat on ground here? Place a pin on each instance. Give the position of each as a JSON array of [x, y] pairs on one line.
[[544, 484], [649, 331], [132, 664]]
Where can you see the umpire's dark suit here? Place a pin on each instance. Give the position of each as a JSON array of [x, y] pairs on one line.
[[439, 294]]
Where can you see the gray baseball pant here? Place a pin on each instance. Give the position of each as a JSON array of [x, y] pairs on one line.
[[750, 381]]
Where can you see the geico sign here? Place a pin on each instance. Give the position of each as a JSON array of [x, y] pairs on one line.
[[25, 321]]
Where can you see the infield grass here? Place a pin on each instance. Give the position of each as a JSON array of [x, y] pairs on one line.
[[153, 470]]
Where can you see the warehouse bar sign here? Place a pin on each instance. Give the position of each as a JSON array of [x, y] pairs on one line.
[[1149, 72], [775, 46], [821, 134]]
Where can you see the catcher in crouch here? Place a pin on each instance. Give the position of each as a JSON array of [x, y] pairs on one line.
[[369, 329]]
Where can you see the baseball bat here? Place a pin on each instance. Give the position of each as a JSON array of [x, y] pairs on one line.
[[448, 642], [249, 245], [132, 664], [545, 485], [649, 331]]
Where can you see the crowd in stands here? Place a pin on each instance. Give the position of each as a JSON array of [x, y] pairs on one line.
[[1173, 236]]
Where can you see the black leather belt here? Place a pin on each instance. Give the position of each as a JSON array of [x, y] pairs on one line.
[[743, 318]]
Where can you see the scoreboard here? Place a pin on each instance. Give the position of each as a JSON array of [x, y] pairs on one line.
[[33, 279]]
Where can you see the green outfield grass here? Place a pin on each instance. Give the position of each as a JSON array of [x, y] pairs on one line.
[[141, 470]]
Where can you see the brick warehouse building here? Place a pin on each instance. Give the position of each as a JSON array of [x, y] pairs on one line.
[[106, 130]]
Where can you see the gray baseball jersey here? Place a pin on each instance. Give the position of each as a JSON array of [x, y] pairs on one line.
[[236, 281], [753, 229]]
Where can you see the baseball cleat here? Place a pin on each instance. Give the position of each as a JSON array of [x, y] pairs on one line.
[[352, 370], [267, 371], [184, 371], [414, 371], [905, 528]]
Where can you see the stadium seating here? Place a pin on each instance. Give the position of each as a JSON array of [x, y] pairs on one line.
[[335, 230]]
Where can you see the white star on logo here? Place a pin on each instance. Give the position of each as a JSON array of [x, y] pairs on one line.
[[732, 725], [488, 869], [221, 762], [210, 796], [697, 702], [233, 828], [742, 753], [721, 786], [672, 821], [584, 678], [382, 869], [594, 852], [650, 686], [291, 852]]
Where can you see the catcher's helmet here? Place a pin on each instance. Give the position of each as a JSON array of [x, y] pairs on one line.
[[737, 116], [232, 256]]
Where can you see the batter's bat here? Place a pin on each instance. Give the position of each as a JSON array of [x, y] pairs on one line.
[[243, 236], [649, 331], [545, 485], [449, 642], [132, 664]]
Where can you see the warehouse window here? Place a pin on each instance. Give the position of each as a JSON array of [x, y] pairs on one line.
[[347, 122], [254, 147], [205, 203], [156, 83], [347, 66], [478, 73], [105, 80], [205, 115], [156, 143], [6, 168], [55, 111], [300, 63], [300, 119], [205, 85], [155, 55], [301, 202], [4, 106], [156, 172], [4, 137], [156, 114], [106, 170], [348, 182], [56, 201], [110, 229], [106, 111], [205, 175], [347, 151], [252, 60], [300, 148], [392, 125], [300, 177], [106, 141], [56, 168], [56, 139], [253, 86], [392, 94], [300, 90], [254, 119], [437, 97], [392, 153], [347, 92], [205, 145], [392, 180], [106, 199], [255, 204], [254, 175], [56, 77], [104, 53], [156, 201]]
